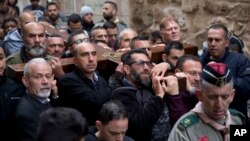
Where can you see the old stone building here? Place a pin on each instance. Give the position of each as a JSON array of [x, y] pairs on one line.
[[193, 15]]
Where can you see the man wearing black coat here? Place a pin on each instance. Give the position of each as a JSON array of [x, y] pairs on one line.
[[83, 89], [38, 80]]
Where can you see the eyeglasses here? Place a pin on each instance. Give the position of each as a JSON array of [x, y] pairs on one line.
[[142, 63], [194, 73], [78, 41]]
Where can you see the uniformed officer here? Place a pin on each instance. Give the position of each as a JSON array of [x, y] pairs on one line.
[[211, 118]]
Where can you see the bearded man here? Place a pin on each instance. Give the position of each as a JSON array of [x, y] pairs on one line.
[[34, 39]]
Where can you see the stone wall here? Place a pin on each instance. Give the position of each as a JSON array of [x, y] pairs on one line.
[[194, 16]]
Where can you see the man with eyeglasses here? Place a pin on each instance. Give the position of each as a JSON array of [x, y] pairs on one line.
[[75, 38], [144, 97], [83, 89]]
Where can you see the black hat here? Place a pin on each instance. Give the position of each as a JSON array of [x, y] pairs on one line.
[[235, 41], [216, 74]]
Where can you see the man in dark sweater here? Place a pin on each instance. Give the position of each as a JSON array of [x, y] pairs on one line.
[[83, 89]]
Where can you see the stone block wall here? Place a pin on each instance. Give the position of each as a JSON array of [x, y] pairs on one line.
[[194, 16]]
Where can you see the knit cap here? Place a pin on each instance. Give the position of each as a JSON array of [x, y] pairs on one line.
[[216, 74], [85, 10]]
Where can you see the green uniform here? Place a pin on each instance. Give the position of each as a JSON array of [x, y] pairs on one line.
[[190, 127]]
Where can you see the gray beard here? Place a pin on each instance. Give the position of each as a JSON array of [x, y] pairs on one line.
[[36, 50]]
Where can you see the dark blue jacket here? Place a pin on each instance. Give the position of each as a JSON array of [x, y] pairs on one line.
[[240, 68]]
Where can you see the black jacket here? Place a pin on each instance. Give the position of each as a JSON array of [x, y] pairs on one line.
[[142, 115], [27, 117], [77, 91], [92, 137], [10, 94]]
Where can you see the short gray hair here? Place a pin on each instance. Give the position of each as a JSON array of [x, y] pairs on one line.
[[26, 69]]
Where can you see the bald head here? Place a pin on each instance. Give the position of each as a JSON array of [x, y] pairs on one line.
[[34, 39], [25, 17], [85, 58]]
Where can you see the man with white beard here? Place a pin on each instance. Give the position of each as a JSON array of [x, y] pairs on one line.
[[39, 82], [34, 39]]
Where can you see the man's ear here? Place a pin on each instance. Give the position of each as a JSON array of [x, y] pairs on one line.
[[164, 57], [232, 95], [98, 125], [126, 69], [25, 81]]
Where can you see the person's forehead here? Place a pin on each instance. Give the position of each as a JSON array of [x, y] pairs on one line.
[[40, 68], [143, 42], [50, 7], [139, 56], [112, 30], [100, 31], [128, 34], [191, 64], [107, 5], [55, 39], [218, 31], [177, 52], [79, 36], [10, 22], [75, 24], [34, 28], [171, 23], [85, 47]]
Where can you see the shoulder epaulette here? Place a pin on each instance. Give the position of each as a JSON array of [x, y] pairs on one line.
[[189, 120], [237, 113]]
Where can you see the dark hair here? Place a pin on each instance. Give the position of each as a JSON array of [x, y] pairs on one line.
[[113, 4], [51, 3], [127, 57], [55, 35], [74, 18], [220, 26], [172, 45], [9, 20], [184, 58], [73, 34], [236, 43], [97, 28], [154, 36], [112, 110], [137, 38], [61, 124], [2, 1], [109, 24]]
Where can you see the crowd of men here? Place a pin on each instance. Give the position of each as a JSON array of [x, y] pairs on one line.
[[141, 101]]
